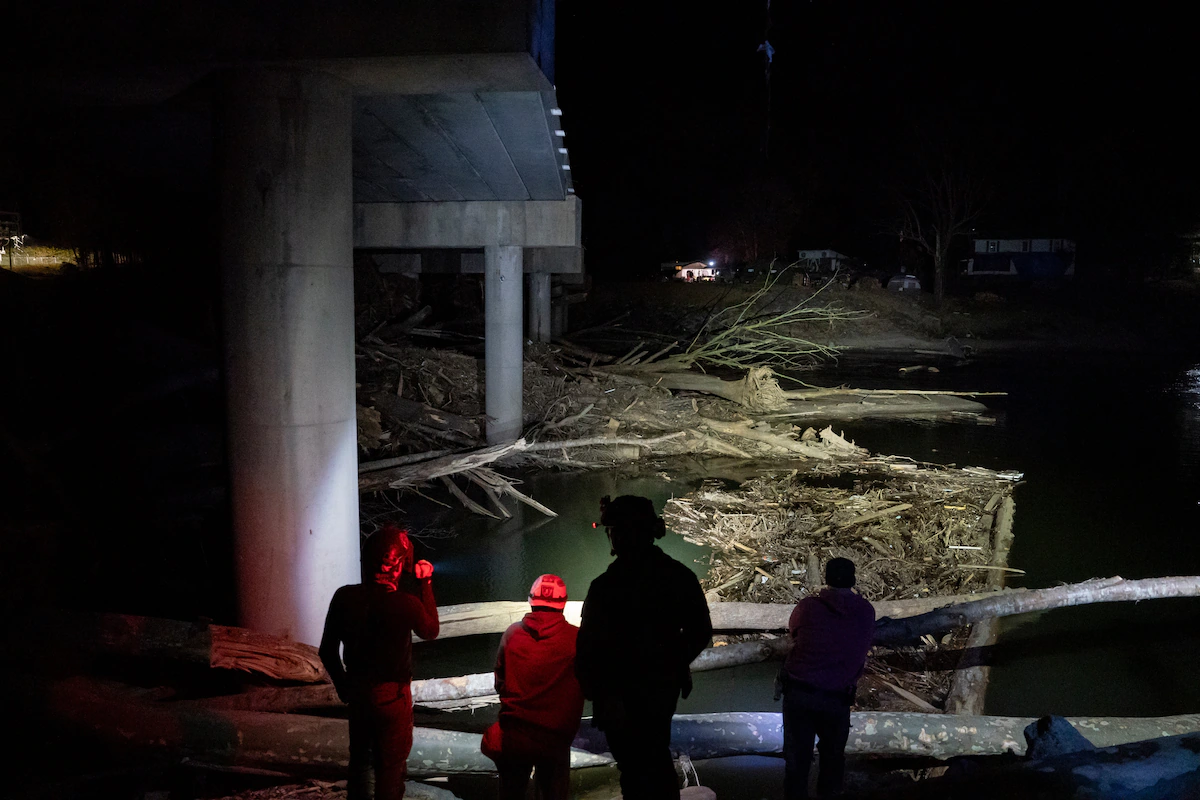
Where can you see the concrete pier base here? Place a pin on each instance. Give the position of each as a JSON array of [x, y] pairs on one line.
[[284, 154]]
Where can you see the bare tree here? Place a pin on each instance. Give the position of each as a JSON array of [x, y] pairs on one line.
[[943, 208]]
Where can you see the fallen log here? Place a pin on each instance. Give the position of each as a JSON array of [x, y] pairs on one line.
[[434, 468], [855, 407], [319, 746], [468, 619], [61, 635], [758, 391], [1103, 590], [811, 394], [290, 743], [442, 693]]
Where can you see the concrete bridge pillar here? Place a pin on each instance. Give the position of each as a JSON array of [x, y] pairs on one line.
[[539, 306], [503, 351], [286, 248]]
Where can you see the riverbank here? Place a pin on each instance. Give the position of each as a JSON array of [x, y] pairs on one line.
[[1023, 319]]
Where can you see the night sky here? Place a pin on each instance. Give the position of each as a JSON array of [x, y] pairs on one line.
[[1076, 122]]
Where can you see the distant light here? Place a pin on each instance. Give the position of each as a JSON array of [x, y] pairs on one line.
[[560, 133], [562, 150], [557, 112], [570, 190], [712, 263], [566, 166]]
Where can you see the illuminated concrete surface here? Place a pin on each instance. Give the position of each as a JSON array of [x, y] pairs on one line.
[[284, 145]]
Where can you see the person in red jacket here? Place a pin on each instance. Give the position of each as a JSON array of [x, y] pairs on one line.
[[831, 634], [540, 699], [367, 650]]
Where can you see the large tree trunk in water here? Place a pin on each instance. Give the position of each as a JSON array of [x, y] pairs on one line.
[[291, 743], [319, 746], [67, 637], [1104, 590], [464, 691]]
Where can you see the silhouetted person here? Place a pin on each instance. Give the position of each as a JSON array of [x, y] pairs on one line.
[[371, 624], [831, 634], [644, 621], [540, 699]]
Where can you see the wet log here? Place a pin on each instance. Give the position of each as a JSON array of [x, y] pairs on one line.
[[969, 685], [1104, 590], [867, 407], [464, 691], [468, 619], [751, 392], [434, 468], [319, 746], [289, 743]]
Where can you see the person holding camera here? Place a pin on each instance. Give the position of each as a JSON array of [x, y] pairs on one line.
[[367, 650]]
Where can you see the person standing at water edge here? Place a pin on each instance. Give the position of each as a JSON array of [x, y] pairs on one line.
[[644, 621], [367, 650], [831, 634], [540, 699]]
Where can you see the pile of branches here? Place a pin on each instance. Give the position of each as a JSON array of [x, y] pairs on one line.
[[912, 530]]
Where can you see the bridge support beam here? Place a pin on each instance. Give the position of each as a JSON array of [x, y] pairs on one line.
[[286, 249], [503, 351]]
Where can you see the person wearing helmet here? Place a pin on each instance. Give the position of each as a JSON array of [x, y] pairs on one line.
[[644, 621], [540, 699], [367, 650], [831, 634]]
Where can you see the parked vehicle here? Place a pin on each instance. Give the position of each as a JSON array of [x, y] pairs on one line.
[[904, 283]]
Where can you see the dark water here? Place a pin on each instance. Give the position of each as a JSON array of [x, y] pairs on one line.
[[1110, 449], [1111, 455]]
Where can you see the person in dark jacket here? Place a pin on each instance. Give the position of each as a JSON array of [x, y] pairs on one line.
[[367, 650], [540, 699], [644, 621], [831, 634]]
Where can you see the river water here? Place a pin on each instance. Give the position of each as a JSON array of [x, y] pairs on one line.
[[1110, 448]]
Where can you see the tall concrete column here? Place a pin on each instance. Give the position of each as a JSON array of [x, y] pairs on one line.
[[539, 306], [284, 160], [503, 351]]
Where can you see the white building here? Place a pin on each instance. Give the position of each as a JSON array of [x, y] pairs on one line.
[[823, 260]]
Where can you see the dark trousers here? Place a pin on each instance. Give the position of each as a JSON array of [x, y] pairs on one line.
[[381, 737], [639, 736], [525, 748], [808, 715]]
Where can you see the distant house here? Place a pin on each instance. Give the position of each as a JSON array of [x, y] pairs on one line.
[[1022, 258], [692, 270], [824, 260]]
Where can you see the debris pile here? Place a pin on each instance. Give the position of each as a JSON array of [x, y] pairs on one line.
[[913, 531]]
